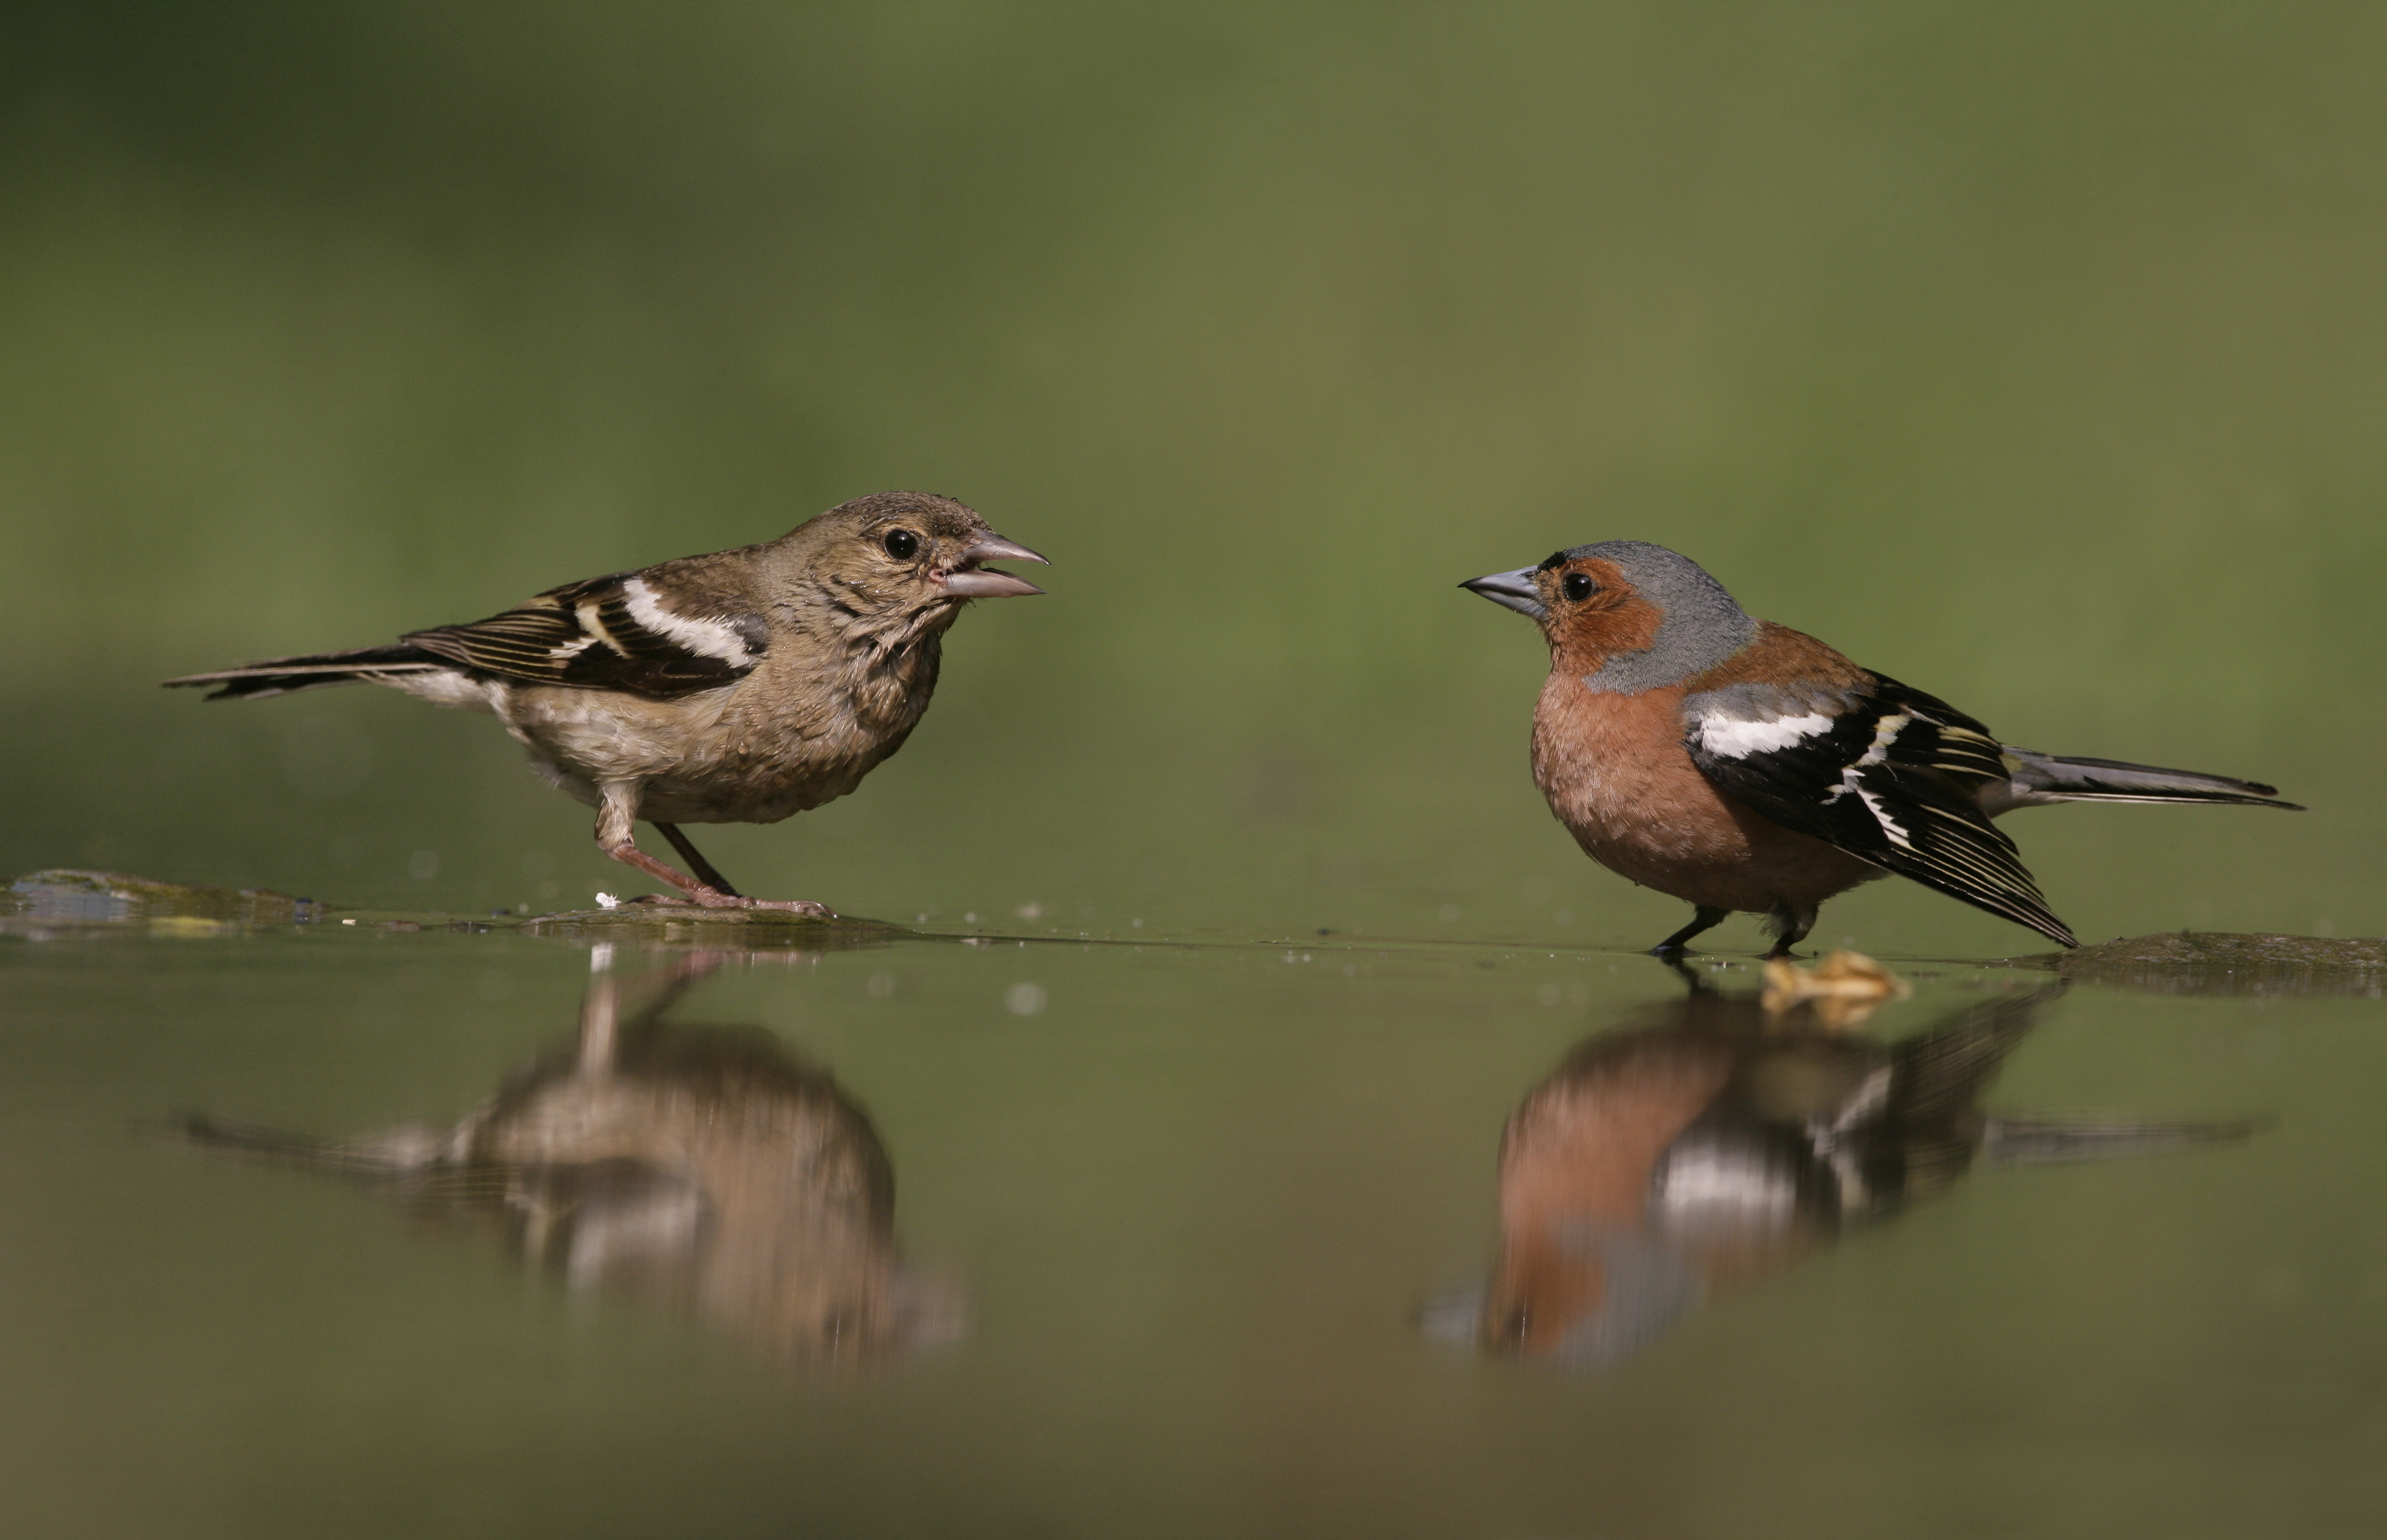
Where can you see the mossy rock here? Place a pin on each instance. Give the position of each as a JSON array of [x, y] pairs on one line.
[[731, 929], [2222, 961], [66, 896]]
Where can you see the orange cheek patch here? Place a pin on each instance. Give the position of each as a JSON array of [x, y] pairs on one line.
[[1616, 620]]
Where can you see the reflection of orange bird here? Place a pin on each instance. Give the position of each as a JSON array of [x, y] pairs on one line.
[[1718, 1143]]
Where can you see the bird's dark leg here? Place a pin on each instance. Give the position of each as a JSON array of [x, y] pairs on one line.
[[1790, 925], [705, 871], [1701, 984], [1703, 917]]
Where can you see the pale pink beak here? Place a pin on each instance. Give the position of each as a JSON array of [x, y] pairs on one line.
[[967, 580]]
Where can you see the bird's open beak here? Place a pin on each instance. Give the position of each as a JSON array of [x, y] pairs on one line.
[[968, 580], [1512, 590]]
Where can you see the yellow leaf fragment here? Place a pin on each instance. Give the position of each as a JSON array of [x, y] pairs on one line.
[[1842, 990]]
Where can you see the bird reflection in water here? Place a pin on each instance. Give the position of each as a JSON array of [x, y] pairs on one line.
[[704, 1167], [1723, 1136]]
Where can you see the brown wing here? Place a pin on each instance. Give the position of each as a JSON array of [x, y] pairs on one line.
[[606, 633]]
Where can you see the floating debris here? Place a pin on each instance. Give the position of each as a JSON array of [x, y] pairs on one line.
[[1843, 989]]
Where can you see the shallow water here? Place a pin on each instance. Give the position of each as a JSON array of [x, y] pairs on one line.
[[1184, 1239]]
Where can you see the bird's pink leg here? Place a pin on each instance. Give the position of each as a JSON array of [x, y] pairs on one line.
[[615, 819]]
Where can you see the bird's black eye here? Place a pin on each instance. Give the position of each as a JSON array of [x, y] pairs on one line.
[[902, 544], [1578, 588]]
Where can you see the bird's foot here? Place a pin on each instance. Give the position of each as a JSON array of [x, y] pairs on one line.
[[714, 897], [805, 907]]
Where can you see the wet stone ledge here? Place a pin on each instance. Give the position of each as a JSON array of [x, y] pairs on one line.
[[68, 899], [645, 924], [2227, 963], [65, 902]]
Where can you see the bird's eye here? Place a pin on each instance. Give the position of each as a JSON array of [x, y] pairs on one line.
[[1578, 588], [902, 544]]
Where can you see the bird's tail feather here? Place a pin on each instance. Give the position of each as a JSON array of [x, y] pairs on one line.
[[2054, 778], [2040, 1141], [400, 1152], [315, 670]]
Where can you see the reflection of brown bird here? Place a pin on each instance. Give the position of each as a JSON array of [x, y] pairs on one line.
[[701, 1165], [738, 687], [1717, 1143], [1741, 765]]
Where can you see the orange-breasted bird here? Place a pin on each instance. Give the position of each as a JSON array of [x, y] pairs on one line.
[[1742, 765], [1715, 1141], [736, 687]]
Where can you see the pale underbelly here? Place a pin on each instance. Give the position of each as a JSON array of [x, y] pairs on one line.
[[701, 764]]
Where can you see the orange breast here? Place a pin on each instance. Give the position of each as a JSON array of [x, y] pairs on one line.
[[1618, 776], [1577, 1159]]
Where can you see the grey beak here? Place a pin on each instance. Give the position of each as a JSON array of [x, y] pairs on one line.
[[1511, 591], [969, 581], [994, 548]]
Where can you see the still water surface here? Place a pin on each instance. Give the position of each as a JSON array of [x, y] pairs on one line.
[[613, 1234]]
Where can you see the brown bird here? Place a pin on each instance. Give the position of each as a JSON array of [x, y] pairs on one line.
[[737, 687], [1743, 765], [703, 1166]]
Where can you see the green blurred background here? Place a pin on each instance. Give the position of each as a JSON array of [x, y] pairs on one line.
[[2034, 354]]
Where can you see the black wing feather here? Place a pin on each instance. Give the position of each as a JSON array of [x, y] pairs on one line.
[[1894, 782], [583, 636]]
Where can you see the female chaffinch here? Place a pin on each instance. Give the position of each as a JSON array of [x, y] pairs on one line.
[[1743, 765], [739, 686], [706, 1167]]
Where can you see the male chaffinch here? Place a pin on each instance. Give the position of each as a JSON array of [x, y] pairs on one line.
[[1743, 765], [736, 687], [1718, 1141]]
